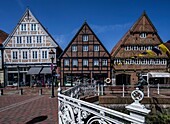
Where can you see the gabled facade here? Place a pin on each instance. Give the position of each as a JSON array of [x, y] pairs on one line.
[[85, 59], [3, 36], [125, 57], [26, 52]]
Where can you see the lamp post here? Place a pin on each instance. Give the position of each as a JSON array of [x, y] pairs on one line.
[[52, 56], [18, 78]]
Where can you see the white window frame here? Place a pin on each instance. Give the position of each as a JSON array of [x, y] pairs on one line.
[[19, 40], [96, 48], [33, 27], [85, 48], [75, 62], [104, 62], [25, 54], [74, 48], [143, 35], [23, 27], [39, 39], [44, 54], [85, 62], [96, 62], [34, 53], [85, 38], [29, 39], [66, 62], [14, 54]]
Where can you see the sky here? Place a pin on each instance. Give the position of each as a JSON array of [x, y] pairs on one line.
[[109, 19]]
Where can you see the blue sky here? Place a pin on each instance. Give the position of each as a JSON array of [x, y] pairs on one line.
[[109, 19]]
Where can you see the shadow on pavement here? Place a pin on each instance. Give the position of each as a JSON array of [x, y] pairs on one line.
[[37, 119]]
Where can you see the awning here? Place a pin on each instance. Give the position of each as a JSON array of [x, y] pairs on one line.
[[158, 74], [46, 70], [34, 70]]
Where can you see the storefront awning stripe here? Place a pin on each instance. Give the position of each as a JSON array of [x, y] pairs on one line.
[[46, 70], [34, 70]]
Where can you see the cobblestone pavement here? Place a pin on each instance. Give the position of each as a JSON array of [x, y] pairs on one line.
[[29, 108]]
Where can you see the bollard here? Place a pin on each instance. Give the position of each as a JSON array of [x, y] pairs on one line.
[[1, 92], [98, 90], [102, 90], [21, 92], [40, 91], [123, 93], [148, 90], [158, 89]]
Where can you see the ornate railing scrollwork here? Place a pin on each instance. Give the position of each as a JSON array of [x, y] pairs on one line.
[[75, 111]]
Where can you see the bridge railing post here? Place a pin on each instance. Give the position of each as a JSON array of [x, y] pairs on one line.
[[136, 109]]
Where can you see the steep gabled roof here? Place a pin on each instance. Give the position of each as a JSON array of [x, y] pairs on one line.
[[3, 36], [143, 24], [140, 24], [28, 13], [84, 24]]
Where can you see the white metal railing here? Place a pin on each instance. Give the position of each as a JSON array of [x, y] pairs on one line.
[[75, 111], [118, 90]]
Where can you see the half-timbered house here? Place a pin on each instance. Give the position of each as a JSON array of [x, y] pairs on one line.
[[126, 55], [85, 59], [26, 54], [3, 36]]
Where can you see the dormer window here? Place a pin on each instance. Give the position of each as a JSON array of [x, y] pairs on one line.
[[85, 38], [143, 35]]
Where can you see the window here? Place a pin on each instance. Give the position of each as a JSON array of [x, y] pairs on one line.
[[74, 48], [96, 62], [33, 27], [24, 55], [34, 55], [104, 62], [85, 62], [19, 40], [39, 39], [66, 62], [15, 55], [96, 47], [44, 55], [85, 48], [29, 39], [75, 62], [23, 27], [85, 37], [143, 35]]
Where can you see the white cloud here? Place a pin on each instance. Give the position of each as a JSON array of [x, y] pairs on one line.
[[62, 40], [108, 28]]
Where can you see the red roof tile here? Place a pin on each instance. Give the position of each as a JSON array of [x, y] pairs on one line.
[[3, 36]]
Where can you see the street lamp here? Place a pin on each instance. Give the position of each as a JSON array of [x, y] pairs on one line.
[[18, 77], [52, 56]]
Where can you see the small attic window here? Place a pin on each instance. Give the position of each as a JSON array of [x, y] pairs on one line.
[[85, 38], [143, 35]]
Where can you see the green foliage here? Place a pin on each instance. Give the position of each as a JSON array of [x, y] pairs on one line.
[[158, 119]]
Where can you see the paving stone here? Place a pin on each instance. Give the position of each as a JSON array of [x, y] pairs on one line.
[[17, 109]]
